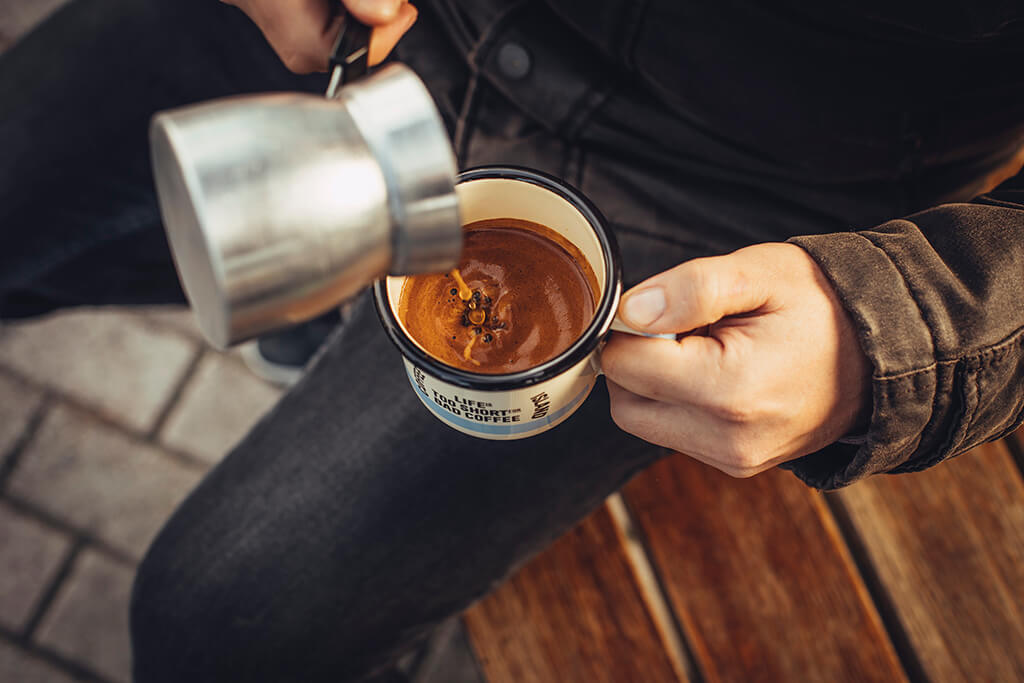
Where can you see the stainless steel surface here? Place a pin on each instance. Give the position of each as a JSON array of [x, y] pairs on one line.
[[278, 207], [400, 123]]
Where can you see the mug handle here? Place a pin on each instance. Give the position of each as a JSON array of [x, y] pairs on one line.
[[348, 60], [619, 326]]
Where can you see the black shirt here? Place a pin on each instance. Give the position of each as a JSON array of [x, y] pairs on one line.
[[844, 89]]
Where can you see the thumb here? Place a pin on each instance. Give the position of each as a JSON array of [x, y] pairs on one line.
[[694, 294]]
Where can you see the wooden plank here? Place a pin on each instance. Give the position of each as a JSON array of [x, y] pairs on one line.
[[572, 615], [1015, 443], [759, 577], [947, 546]]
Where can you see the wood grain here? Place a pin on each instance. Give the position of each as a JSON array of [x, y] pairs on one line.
[[572, 615], [947, 546], [759, 577], [1015, 443]]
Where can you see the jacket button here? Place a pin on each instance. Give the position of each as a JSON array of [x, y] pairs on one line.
[[513, 61]]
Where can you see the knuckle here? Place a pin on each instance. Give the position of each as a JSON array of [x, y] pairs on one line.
[[735, 412], [741, 458], [703, 283], [741, 472], [630, 418], [742, 401]]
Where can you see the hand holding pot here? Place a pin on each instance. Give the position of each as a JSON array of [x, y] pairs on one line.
[[775, 371], [302, 32]]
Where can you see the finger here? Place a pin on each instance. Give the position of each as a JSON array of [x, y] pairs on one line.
[[681, 429], [384, 38], [374, 12], [301, 32], [307, 45], [679, 372], [694, 294]]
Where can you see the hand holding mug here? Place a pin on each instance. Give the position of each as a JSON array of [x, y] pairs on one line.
[[773, 372], [302, 32]]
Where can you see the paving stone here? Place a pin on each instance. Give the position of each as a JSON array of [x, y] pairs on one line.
[[17, 403], [218, 406], [88, 621], [99, 480], [178, 318], [30, 554], [107, 359], [17, 666], [18, 16]]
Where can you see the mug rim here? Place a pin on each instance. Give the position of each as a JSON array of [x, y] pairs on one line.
[[584, 345]]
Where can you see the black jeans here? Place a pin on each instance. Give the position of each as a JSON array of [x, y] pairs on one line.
[[349, 521]]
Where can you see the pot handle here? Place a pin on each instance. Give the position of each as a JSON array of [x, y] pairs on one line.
[[348, 60]]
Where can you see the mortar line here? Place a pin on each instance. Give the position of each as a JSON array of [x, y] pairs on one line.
[[75, 669], [40, 515], [158, 326], [49, 594], [94, 414], [9, 460], [175, 395]]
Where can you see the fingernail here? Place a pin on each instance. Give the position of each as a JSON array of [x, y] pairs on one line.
[[644, 307]]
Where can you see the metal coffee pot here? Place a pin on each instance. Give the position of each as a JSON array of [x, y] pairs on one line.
[[279, 207]]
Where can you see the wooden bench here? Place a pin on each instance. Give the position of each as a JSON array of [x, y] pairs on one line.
[[690, 575]]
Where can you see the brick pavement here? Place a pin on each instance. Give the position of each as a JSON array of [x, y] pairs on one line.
[[107, 419]]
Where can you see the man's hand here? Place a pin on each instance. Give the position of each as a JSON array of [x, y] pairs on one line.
[[772, 371], [302, 32]]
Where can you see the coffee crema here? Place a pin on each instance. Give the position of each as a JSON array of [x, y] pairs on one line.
[[521, 295]]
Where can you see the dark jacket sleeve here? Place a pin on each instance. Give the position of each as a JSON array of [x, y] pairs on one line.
[[938, 300]]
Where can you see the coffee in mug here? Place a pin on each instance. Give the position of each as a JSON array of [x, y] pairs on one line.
[[506, 345], [521, 295]]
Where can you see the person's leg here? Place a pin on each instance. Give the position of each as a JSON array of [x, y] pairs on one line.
[[78, 214], [350, 521]]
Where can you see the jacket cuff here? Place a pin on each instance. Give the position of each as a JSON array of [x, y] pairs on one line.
[[898, 344]]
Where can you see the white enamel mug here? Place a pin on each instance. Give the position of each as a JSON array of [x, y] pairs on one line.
[[525, 403]]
